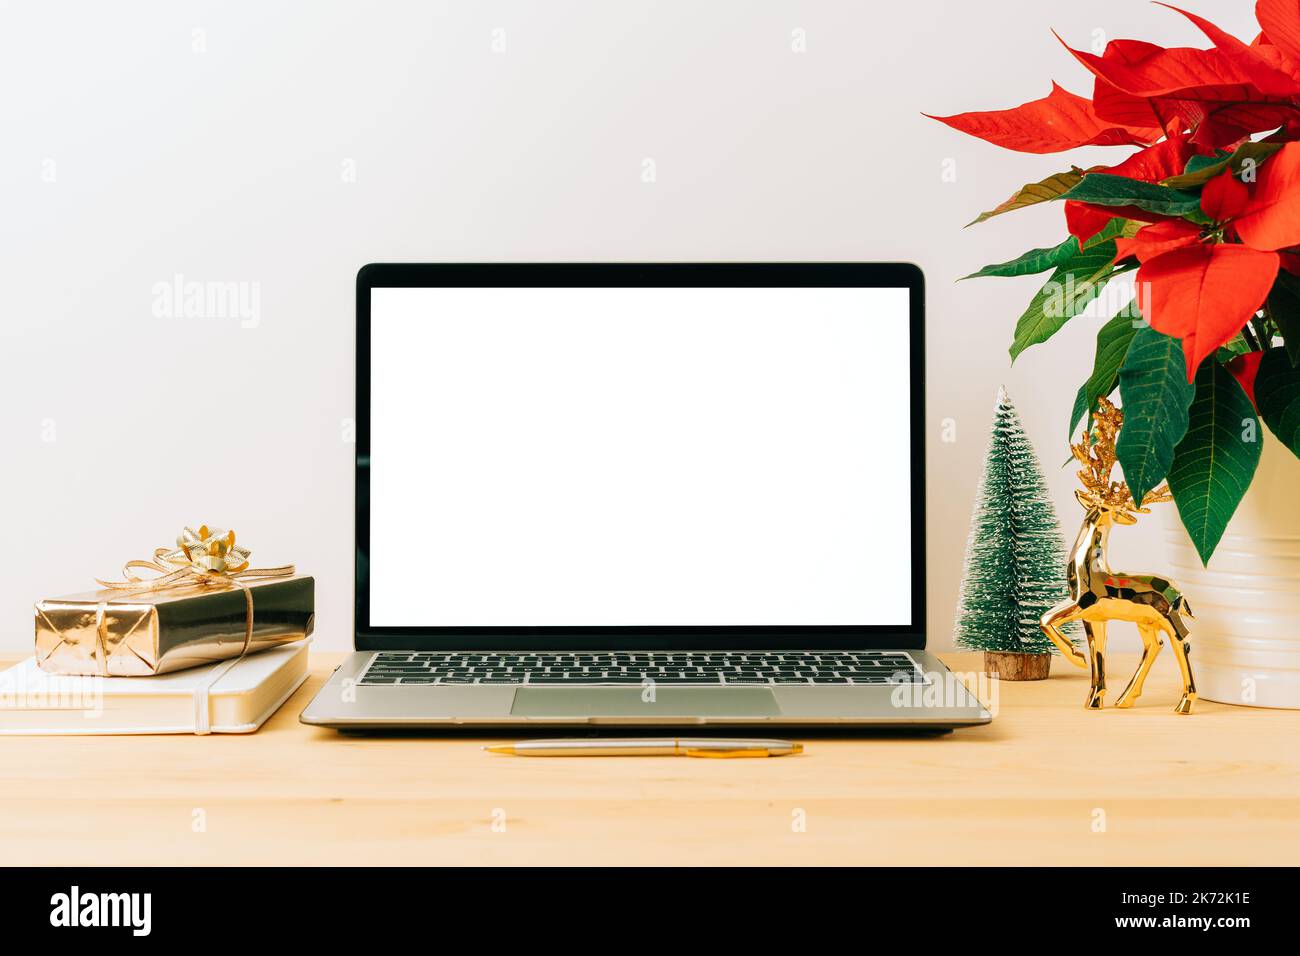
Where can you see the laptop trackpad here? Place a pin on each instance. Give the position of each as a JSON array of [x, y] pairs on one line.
[[628, 702]]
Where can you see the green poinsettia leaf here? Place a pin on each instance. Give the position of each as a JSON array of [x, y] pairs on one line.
[[1104, 189], [1198, 162], [1237, 345], [1216, 460], [1040, 260], [1031, 262], [1284, 310], [1071, 287], [1201, 169], [1112, 345], [1127, 228], [1277, 393], [1031, 194], [1154, 390]]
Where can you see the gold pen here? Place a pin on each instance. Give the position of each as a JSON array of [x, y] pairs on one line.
[[649, 747]]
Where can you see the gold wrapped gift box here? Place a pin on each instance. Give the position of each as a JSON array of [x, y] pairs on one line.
[[119, 633]]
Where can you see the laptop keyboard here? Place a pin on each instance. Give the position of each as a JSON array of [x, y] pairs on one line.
[[636, 667]]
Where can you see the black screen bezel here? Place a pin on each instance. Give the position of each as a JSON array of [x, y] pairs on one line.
[[674, 637]]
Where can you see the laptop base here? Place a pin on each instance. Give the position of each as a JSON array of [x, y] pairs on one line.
[[939, 701]]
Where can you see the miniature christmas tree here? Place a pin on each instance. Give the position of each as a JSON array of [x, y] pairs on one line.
[[1015, 558]]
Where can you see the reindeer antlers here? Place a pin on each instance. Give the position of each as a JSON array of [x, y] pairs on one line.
[[1096, 452]]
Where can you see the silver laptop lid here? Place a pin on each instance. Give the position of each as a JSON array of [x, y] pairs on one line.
[[713, 456]]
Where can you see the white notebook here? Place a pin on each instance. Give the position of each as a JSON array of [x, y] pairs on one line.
[[229, 697]]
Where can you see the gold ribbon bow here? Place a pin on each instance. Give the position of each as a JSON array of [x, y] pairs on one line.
[[206, 556]]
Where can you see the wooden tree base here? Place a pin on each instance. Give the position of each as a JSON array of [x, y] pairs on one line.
[[1008, 665]]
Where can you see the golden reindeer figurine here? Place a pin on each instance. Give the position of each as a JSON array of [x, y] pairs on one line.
[[1098, 594]]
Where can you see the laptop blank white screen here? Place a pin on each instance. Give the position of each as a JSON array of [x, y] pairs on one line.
[[639, 456]]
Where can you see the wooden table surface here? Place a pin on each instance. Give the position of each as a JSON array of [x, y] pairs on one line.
[[1046, 783]]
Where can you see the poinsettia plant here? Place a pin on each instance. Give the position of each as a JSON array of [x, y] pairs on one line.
[[1206, 212]]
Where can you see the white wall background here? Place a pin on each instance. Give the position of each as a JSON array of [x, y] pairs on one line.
[[213, 140]]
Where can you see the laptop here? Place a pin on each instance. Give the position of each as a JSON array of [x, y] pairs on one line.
[[640, 495]]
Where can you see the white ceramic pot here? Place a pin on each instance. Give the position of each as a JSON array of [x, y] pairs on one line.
[[1246, 634]]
